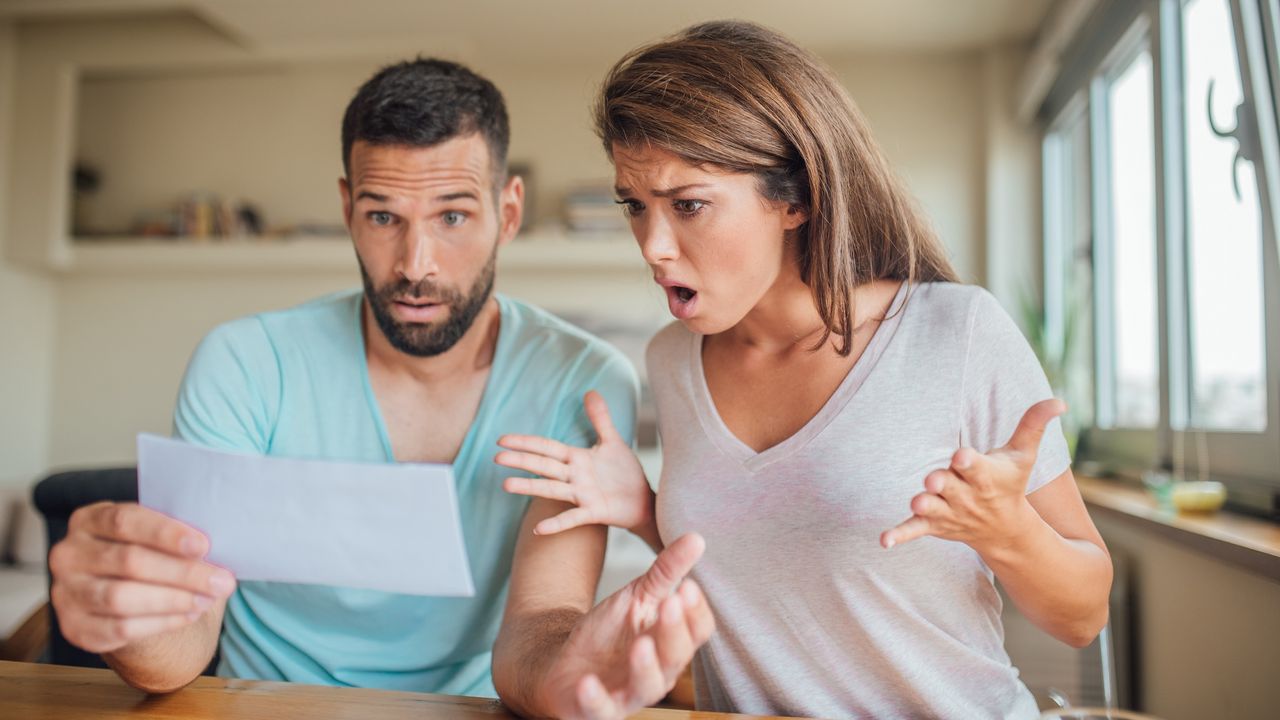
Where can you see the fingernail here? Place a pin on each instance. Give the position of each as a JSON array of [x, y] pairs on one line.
[[187, 546], [221, 583], [204, 602], [194, 615], [888, 544]]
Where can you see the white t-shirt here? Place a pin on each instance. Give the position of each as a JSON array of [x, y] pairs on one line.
[[813, 617]]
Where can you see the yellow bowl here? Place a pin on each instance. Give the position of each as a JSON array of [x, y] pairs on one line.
[[1200, 496]]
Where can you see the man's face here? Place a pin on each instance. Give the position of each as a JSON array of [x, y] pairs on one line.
[[427, 223]]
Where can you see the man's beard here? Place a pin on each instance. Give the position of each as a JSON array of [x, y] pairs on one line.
[[428, 339]]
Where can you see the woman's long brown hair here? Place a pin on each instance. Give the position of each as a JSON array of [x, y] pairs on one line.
[[738, 96]]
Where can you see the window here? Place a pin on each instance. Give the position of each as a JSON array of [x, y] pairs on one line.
[[1224, 233], [1131, 370], [1162, 187]]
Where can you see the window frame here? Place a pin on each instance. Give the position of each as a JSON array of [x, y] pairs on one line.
[[1248, 462]]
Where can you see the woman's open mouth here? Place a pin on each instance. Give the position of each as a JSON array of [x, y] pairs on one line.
[[681, 301]]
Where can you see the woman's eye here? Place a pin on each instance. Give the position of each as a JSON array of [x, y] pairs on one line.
[[630, 208], [381, 218], [688, 207], [454, 218]]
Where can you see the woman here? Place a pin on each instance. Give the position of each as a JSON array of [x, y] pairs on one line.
[[827, 377]]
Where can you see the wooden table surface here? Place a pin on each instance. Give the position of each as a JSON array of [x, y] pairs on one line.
[[36, 692]]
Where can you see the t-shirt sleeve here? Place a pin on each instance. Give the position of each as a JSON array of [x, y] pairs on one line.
[[613, 376], [1002, 379], [230, 393]]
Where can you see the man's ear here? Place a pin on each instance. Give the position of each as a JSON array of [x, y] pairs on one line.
[[510, 208], [344, 189]]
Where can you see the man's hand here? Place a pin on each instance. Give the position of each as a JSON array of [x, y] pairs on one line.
[[605, 482], [628, 651], [981, 500], [125, 572]]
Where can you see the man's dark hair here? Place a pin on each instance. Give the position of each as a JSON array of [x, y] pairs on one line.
[[424, 102]]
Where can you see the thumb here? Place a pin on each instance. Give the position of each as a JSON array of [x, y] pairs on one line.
[[1026, 437], [598, 414], [670, 567]]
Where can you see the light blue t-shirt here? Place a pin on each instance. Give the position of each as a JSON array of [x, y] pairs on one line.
[[295, 383]]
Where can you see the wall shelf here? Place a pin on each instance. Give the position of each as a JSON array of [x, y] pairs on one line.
[[539, 251]]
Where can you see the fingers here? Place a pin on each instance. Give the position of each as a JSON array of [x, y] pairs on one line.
[[672, 639], [912, 529], [566, 520], [945, 483], [80, 557], [697, 613], [928, 506], [126, 598], [670, 567], [133, 523], [534, 463], [1026, 437], [550, 489], [98, 634], [536, 445], [647, 683], [594, 702], [598, 414]]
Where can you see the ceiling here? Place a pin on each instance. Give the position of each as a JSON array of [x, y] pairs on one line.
[[570, 28]]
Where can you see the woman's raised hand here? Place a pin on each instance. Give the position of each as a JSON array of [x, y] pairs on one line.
[[605, 482]]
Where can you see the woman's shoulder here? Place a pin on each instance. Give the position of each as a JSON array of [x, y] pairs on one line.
[[950, 304], [669, 345]]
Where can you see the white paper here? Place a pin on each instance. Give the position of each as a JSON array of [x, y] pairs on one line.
[[390, 527]]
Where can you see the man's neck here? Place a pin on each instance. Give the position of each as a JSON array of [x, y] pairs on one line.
[[473, 351]]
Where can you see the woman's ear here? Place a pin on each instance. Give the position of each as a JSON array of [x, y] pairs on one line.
[[795, 217]]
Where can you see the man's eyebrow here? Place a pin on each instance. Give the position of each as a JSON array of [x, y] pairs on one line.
[[462, 195], [372, 196], [669, 192]]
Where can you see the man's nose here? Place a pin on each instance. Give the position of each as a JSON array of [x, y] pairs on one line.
[[418, 257]]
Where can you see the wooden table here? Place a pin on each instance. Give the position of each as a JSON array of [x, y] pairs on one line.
[[37, 692]]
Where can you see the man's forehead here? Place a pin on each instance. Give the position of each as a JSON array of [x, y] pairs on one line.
[[462, 160]]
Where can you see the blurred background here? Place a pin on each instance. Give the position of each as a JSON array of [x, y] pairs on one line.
[[167, 165]]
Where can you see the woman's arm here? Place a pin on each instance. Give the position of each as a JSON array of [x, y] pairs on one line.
[[1054, 566], [1043, 547]]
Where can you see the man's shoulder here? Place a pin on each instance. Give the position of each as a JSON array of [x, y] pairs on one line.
[[263, 330], [545, 343]]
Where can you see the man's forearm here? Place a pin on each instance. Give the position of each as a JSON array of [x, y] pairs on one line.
[[169, 661], [525, 649]]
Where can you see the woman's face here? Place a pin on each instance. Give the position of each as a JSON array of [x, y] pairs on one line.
[[713, 242]]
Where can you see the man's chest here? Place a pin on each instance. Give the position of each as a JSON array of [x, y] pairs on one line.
[[428, 424]]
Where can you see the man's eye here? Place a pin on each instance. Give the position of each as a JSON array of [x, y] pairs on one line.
[[454, 218], [381, 218], [688, 207], [630, 208]]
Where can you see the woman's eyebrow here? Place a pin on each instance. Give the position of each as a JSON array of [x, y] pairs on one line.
[[623, 191]]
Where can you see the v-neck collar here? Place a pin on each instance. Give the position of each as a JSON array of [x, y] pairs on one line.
[[504, 328], [715, 428]]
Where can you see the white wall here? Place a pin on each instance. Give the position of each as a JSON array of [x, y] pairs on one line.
[[116, 345], [122, 341], [927, 113], [26, 324]]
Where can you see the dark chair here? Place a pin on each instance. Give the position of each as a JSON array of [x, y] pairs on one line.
[[56, 497]]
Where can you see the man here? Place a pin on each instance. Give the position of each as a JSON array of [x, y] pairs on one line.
[[425, 365]]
